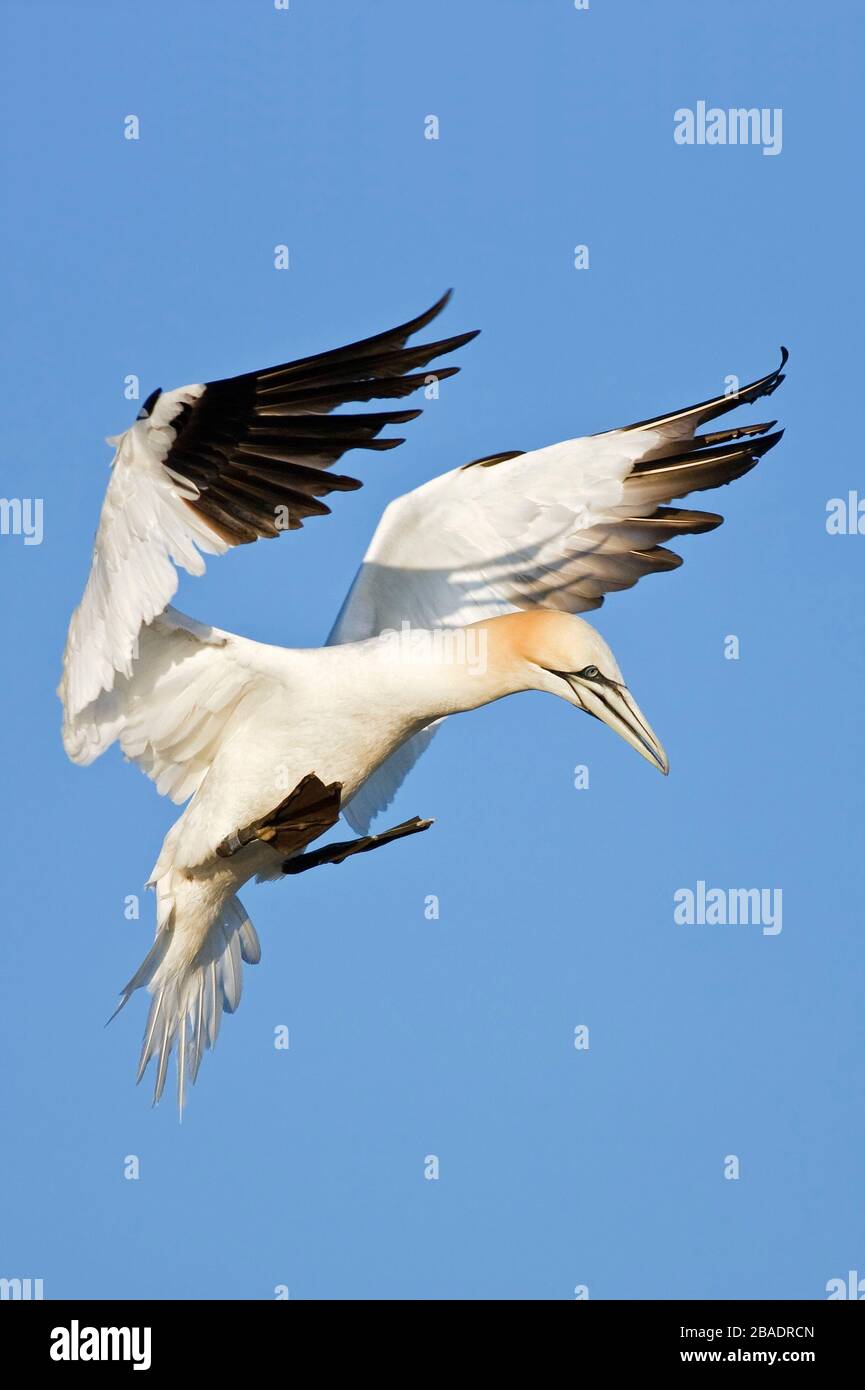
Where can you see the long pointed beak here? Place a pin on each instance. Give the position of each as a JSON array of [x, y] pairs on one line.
[[616, 706]]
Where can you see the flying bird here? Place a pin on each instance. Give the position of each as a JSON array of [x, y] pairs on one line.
[[468, 592]]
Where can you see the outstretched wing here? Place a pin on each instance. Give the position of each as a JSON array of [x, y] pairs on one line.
[[211, 466], [558, 528], [170, 713]]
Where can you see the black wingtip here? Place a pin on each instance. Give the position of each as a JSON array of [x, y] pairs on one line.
[[445, 345], [414, 325], [703, 411], [762, 446], [440, 304], [147, 408]]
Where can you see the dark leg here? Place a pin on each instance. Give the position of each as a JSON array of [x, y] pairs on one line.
[[307, 812], [341, 849]]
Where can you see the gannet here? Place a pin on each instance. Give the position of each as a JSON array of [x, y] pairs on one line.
[[269, 745]]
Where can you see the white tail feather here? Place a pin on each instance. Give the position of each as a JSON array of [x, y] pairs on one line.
[[190, 991]]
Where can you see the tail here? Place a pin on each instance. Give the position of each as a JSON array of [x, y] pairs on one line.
[[190, 990]]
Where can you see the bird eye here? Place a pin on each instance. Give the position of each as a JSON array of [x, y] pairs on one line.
[[589, 672]]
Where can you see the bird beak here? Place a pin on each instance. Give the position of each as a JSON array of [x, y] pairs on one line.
[[616, 706]]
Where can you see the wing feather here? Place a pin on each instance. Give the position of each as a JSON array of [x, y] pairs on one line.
[[214, 465], [170, 714], [558, 528]]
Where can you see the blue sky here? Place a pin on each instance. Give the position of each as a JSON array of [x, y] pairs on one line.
[[454, 1037]]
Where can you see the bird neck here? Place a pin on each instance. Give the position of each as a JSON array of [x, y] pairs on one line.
[[437, 672]]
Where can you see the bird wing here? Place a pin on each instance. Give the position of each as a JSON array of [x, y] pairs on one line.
[[211, 466], [170, 714], [556, 528]]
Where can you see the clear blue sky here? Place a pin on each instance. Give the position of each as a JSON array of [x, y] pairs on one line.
[[453, 1037]]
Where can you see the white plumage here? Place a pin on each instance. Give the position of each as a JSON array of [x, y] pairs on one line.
[[504, 551]]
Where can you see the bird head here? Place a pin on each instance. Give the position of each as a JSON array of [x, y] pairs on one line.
[[563, 655]]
